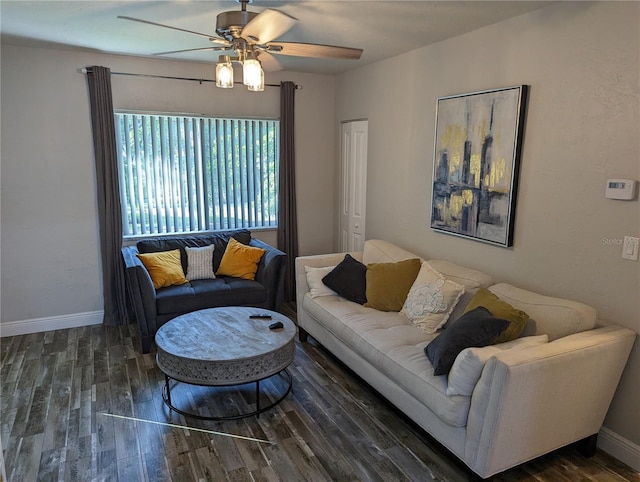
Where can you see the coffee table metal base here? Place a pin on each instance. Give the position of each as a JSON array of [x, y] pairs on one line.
[[166, 397]]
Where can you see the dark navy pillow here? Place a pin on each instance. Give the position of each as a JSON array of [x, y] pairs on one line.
[[477, 328], [349, 280]]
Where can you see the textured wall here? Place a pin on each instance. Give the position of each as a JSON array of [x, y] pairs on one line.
[[581, 61], [50, 252]]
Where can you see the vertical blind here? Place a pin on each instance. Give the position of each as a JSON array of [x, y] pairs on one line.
[[185, 174]]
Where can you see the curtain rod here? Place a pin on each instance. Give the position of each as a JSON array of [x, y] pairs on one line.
[[84, 70]]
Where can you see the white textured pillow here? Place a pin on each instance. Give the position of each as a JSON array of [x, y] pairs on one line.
[[431, 299], [200, 262], [314, 280], [467, 367]]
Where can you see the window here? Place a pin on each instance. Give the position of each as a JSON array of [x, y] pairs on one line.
[[183, 174]]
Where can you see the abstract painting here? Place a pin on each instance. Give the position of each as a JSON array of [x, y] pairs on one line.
[[476, 161]]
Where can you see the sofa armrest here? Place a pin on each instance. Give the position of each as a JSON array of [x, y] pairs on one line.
[[316, 261], [270, 273], [532, 401], [141, 291]]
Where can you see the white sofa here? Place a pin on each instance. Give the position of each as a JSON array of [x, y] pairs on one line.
[[527, 402]]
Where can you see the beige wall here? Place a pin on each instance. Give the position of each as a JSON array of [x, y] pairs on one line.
[[582, 127], [50, 253]]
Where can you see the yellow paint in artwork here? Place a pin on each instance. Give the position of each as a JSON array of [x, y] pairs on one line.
[[453, 137], [455, 207], [440, 207], [454, 162], [467, 197], [495, 180], [474, 168], [453, 140]]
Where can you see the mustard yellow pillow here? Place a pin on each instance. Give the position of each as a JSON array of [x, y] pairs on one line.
[[388, 284], [240, 260], [500, 309], [164, 268]]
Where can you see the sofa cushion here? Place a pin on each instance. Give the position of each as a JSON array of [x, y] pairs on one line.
[[389, 283], [500, 309], [431, 299], [393, 346], [477, 327], [240, 260], [555, 317], [218, 239], [209, 293], [471, 279], [468, 365], [164, 268], [200, 262], [349, 280], [380, 251]]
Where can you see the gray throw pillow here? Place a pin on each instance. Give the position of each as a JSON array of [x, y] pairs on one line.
[[477, 327]]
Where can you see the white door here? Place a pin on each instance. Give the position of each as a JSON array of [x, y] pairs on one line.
[[353, 199]]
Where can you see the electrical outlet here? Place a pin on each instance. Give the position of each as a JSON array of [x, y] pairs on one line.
[[630, 248]]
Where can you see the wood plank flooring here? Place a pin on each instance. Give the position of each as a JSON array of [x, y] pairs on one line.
[[59, 388]]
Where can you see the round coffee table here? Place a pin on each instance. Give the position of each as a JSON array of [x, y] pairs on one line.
[[224, 346]]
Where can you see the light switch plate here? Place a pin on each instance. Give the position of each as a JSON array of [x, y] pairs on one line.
[[630, 248]]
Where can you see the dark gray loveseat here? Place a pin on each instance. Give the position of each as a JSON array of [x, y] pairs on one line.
[[154, 307]]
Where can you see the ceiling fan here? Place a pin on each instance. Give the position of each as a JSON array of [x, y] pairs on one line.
[[251, 36]]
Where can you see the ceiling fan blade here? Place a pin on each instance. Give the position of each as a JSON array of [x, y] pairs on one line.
[[192, 50], [269, 62], [268, 25], [314, 50], [212, 38]]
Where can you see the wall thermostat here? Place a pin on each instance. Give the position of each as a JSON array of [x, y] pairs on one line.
[[621, 189]]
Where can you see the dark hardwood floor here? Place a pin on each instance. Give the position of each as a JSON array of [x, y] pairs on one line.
[[84, 404]]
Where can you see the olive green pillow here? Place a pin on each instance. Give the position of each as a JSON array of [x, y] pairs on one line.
[[388, 284], [500, 309]]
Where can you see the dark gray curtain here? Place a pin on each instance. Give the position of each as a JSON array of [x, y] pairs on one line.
[[287, 216], [109, 213]]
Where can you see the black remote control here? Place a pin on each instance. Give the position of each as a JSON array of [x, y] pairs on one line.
[[260, 317], [275, 325]]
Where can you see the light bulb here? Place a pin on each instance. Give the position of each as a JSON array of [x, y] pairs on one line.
[[224, 73], [252, 74], [258, 87]]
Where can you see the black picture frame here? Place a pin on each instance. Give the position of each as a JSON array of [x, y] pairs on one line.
[[476, 165]]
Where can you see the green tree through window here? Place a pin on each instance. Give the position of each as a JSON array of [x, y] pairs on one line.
[[187, 173]]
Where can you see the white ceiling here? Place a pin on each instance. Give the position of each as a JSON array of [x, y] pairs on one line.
[[382, 28]]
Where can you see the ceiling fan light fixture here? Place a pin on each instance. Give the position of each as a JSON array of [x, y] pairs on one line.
[[252, 34], [252, 74], [224, 72], [258, 86]]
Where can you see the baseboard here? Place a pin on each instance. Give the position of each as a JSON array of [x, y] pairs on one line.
[[36, 325], [620, 448]]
